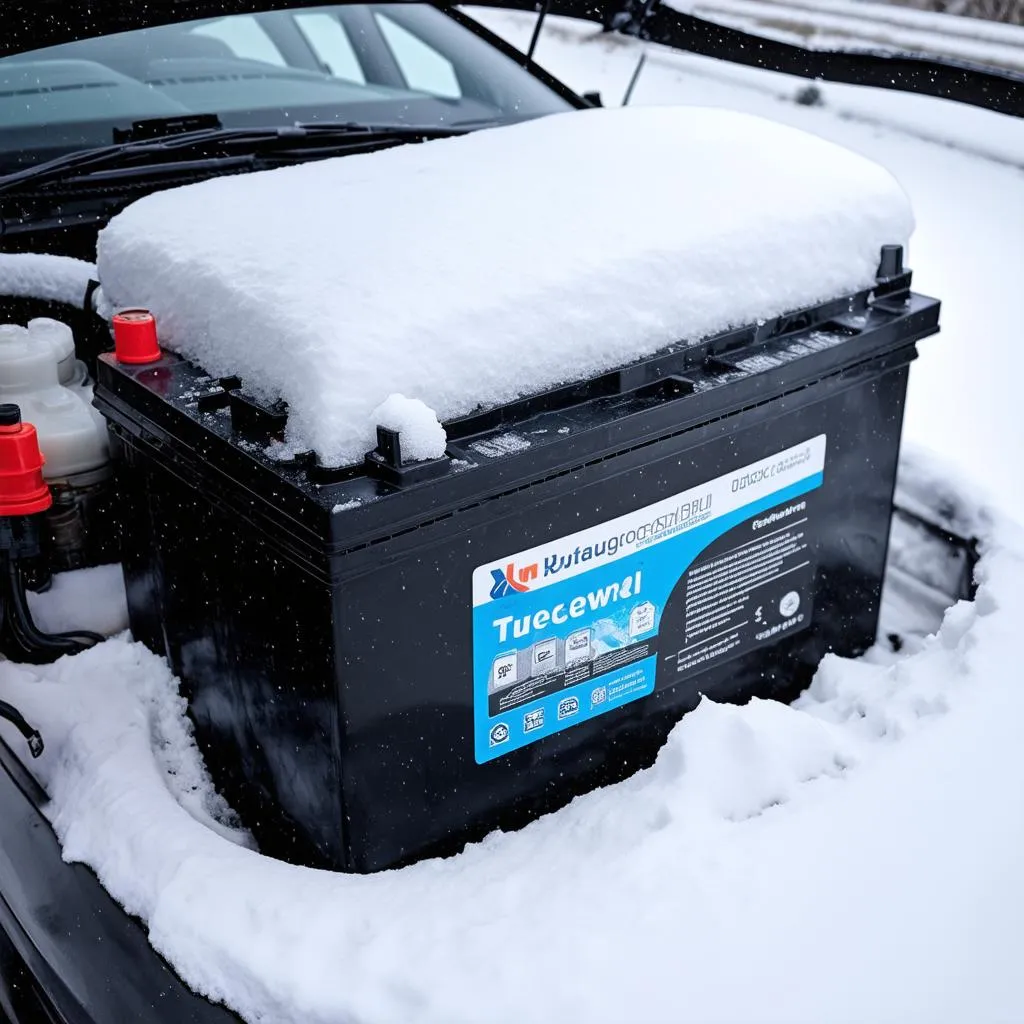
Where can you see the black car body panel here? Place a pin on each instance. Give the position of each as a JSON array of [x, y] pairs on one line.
[[68, 952]]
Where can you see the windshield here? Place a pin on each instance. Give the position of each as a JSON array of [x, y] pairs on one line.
[[376, 63]]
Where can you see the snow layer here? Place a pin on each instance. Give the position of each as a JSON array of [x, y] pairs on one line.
[[420, 434], [45, 276], [469, 271], [92, 599], [852, 858]]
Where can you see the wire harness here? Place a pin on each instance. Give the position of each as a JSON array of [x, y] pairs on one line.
[[24, 497]]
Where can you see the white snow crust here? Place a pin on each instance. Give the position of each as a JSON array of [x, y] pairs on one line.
[[469, 271], [92, 599], [854, 857], [45, 276], [420, 434]]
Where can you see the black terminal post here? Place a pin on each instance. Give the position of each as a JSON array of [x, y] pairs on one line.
[[891, 262], [892, 279], [386, 462]]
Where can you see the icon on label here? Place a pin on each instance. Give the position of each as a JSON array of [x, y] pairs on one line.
[[789, 604], [609, 635], [577, 646], [641, 619], [544, 656], [533, 720], [499, 734], [504, 670], [598, 695], [567, 707]]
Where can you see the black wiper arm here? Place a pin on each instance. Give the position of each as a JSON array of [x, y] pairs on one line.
[[214, 144], [416, 131]]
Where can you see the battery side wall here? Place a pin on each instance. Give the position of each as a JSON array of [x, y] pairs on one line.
[[249, 633], [338, 719], [411, 783]]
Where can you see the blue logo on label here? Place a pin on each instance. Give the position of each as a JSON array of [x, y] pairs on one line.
[[568, 707], [511, 580], [499, 734]]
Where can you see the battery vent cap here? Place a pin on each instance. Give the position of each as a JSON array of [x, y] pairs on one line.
[[135, 337]]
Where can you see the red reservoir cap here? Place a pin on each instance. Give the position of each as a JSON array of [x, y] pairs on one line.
[[22, 488], [135, 337]]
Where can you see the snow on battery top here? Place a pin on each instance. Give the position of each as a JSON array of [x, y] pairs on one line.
[[469, 271]]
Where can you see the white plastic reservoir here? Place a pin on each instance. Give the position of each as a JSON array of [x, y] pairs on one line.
[[39, 373]]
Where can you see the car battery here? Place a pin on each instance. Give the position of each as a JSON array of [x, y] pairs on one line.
[[387, 660]]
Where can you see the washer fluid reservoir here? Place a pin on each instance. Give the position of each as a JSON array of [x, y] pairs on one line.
[[33, 359], [40, 373]]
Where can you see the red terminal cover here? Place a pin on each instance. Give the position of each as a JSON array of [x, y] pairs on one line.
[[22, 488], [135, 337]]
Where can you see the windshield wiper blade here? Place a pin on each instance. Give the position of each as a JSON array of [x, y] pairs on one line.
[[160, 127], [215, 144]]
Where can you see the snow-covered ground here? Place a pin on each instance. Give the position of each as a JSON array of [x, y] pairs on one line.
[[853, 858], [862, 25]]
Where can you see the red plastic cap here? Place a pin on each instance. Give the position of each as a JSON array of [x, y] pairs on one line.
[[135, 337], [22, 488]]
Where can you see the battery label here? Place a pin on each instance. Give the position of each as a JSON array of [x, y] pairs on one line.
[[583, 624]]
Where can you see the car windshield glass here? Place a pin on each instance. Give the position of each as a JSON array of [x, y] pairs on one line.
[[375, 63]]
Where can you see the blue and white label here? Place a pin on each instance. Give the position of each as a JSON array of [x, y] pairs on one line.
[[583, 624]]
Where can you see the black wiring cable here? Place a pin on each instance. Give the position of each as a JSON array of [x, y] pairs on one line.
[[9, 711], [17, 719], [72, 641], [20, 637], [82, 637], [21, 626]]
